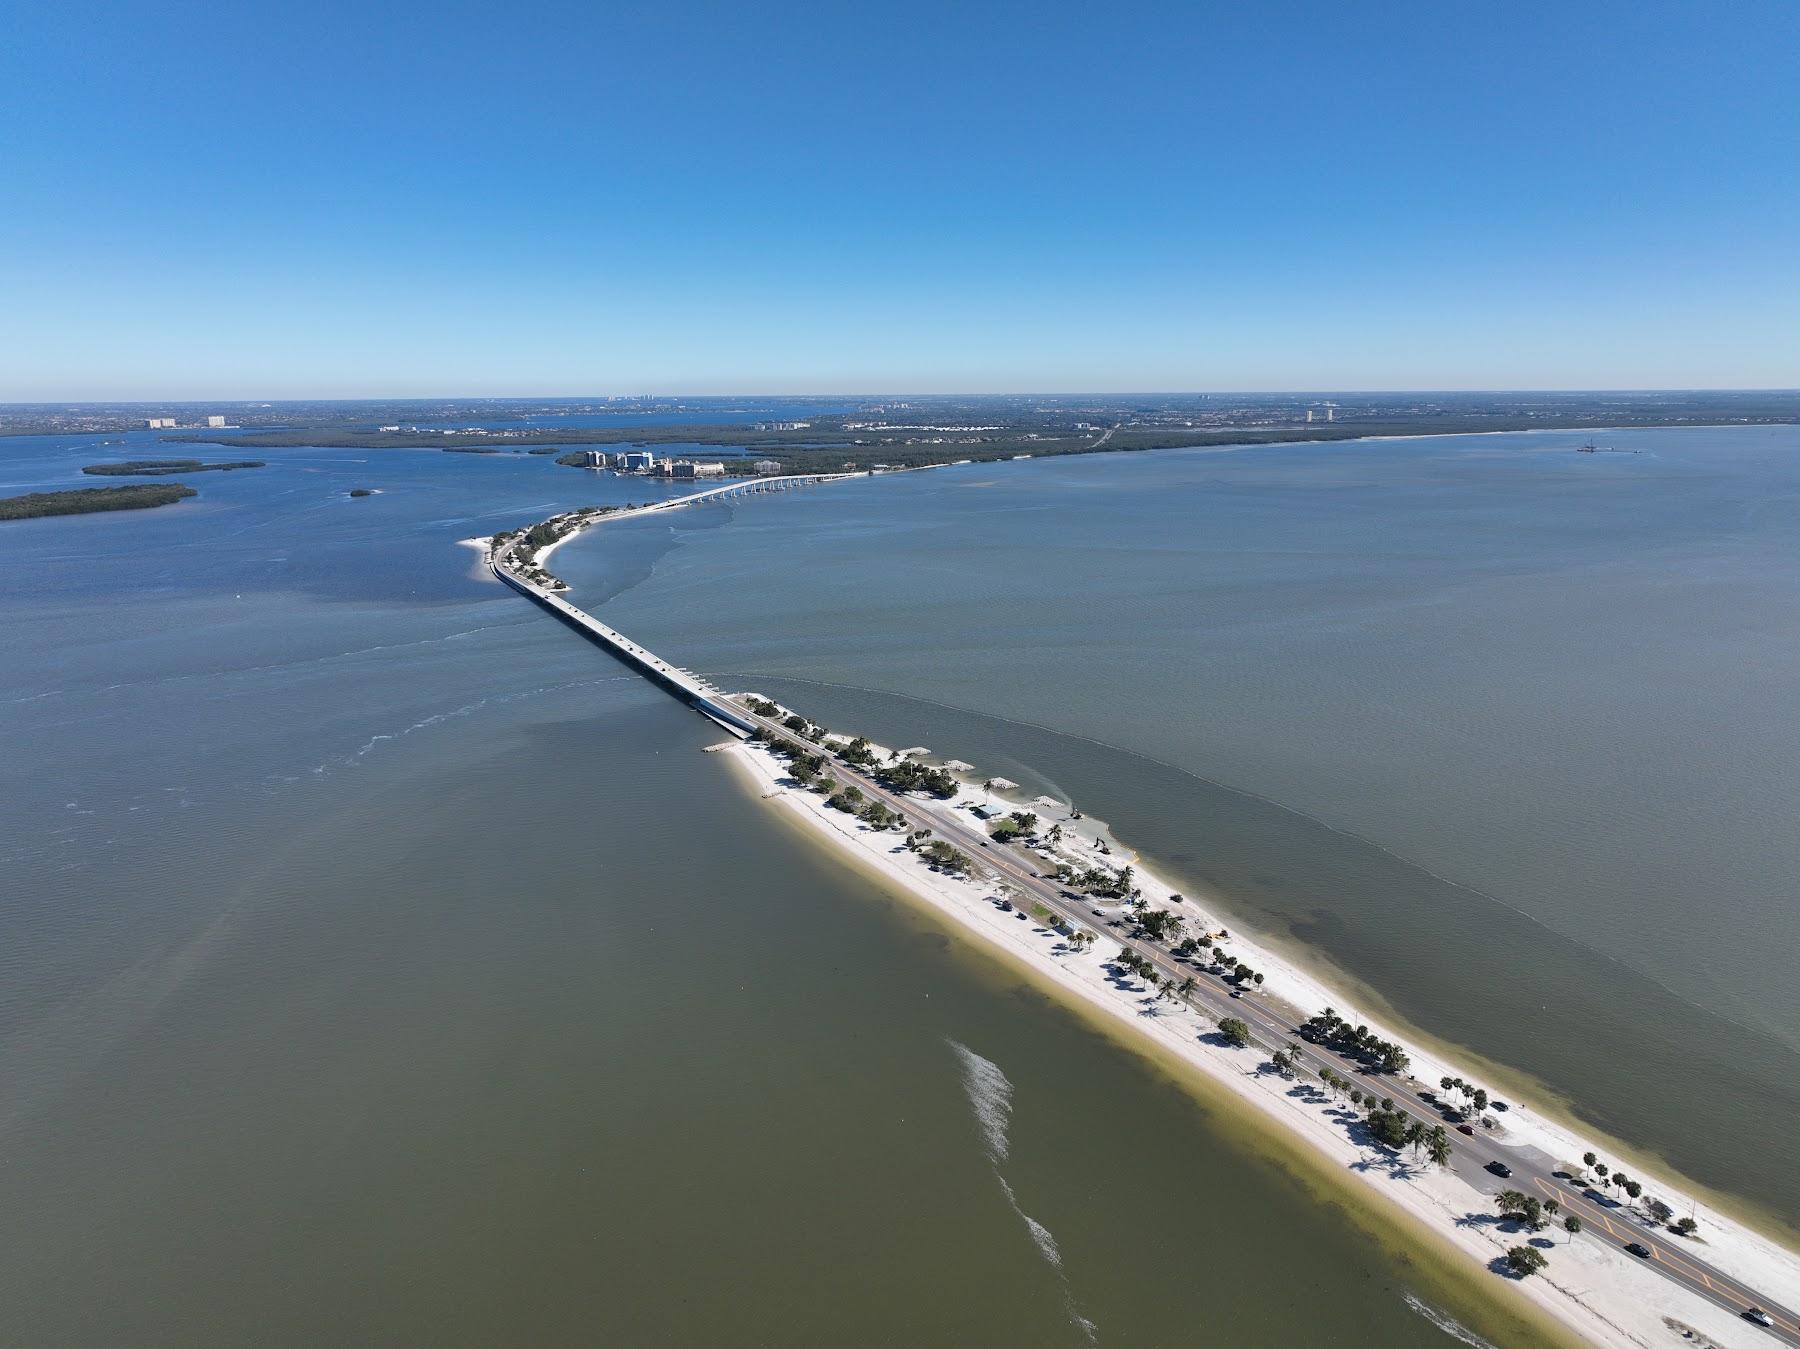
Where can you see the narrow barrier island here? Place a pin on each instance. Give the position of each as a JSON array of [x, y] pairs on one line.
[[87, 500], [1520, 1196]]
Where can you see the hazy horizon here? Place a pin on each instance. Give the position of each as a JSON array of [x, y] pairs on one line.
[[876, 392]]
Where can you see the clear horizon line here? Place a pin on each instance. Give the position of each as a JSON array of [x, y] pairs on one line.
[[897, 393]]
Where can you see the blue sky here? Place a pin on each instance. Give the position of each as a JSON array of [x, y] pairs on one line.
[[324, 199]]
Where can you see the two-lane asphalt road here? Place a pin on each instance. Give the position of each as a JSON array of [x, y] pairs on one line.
[[1275, 1025]]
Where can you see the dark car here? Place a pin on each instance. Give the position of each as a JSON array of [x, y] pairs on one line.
[[1465, 1129], [1499, 1168], [1640, 1250], [1006, 906], [1499, 1105]]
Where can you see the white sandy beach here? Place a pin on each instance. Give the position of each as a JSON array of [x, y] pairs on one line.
[[1594, 1288]]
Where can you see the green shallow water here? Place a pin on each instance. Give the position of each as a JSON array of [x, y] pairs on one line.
[[383, 965]]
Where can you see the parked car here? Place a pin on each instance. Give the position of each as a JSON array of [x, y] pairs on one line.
[[1638, 1249], [1499, 1105], [1465, 1129]]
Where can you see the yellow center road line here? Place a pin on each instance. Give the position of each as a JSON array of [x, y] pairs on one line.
[[1031, 881], [1738, 1298]]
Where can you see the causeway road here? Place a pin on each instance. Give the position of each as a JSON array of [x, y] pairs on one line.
[[1275, 1025]]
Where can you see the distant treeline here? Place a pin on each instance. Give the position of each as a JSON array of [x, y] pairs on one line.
[[826, 447], [151, 468], [85, 500]]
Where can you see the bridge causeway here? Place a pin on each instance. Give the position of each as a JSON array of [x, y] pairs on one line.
[[673, 679]]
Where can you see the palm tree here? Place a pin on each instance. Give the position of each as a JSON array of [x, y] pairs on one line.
[[1437, 1146], [1187, 987], [1572, 1225], [1416, 1135]]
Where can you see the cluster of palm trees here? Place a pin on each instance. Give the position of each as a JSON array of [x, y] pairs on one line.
[[1097, 881], [1475, 1098], [1608, 1180], [1528, 1209], [1009, 827], [1357, 1042], [907, 775], [1166, 987], [1391, 1126], [1161, 925]]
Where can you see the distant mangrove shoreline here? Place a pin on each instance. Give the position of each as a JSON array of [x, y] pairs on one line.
[[87, 500], [819, 449], [151, 468]]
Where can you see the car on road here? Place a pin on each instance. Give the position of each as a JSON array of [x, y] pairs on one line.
[[1638, 1249], [1098, 913], [1761, 1317], [1499, 1168], [1465, 1129]]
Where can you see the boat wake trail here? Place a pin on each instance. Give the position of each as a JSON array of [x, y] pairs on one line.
[[1454, 1329], [990, 1096]]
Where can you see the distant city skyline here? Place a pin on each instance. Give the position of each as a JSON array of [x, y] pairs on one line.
[[343, 201]]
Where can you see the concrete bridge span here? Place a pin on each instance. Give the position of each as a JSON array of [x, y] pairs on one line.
[[673, 679]]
